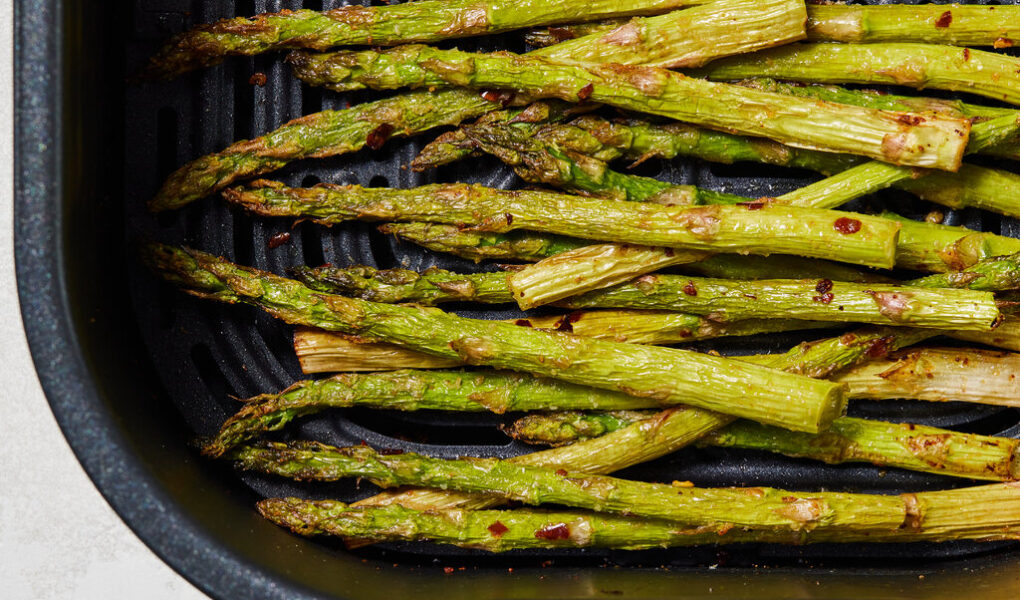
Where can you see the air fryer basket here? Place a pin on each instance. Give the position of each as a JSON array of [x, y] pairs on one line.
[[135, 370]]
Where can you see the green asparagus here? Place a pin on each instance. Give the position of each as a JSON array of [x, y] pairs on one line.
[[930, 66], [900, 445], [979, 513], [768, 509], [921, 246], [752, 229], [423, 21], [668, 374], [673, 429], [966, 25], [932, 141], [689, 38], [939, 375], [326, 352], [572, 157], [723, 300]]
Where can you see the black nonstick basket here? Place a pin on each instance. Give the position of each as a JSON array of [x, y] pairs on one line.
[[135, 371]]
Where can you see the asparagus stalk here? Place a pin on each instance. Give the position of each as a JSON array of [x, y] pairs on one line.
[[325, 352], [571, 157], [756, 229], [1006, 335], [994, 274], [811, 300], [901, 445], [939, 375], [884, 101], [453, 145], [426, 21], [913, 65], [674, 429], [669, 431], [945, 248], [331, 133], [482, 245], [689, 38], [980, 513], [329, 352], [921, 246], [768, 509], [543, 163], [873, 176], [671, 375], [902, 138], [322, 134], [474, 391], [955, 25]]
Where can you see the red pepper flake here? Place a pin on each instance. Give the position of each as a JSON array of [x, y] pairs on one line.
[[567, 322], [824, 298], [756, 205], [966, 54], [689, 289], [504, 98], [509, 219], [670, 252], [846, 225], [558, 531], [824, 285], [497, 529], [447, 570], [523, 323], [944, 20], [258, 79], [390, 451], [378, 136], [561, 472], [278, 240], [1002, 42], [585, 92]]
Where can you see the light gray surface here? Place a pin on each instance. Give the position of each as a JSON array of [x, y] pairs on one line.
[[58, 537]]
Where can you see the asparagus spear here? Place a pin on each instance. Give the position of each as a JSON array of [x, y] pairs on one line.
[[755, 229], [727, 300], [913, 65], [902, 138], [933, 141], [986, 513], [330, 133], [326, 352], [672, 430], [768, 509], [469, 391], [812, 300], [482, 245], [785, 399], [956, 25], [572, 157], [424, 21], [901, 445], [1006, 335], [329, 352], [326, 133], [939, 375], [691, 37], [945, 248], [921, 246]]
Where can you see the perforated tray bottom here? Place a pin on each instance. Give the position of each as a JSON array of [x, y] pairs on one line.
[[210, 353]]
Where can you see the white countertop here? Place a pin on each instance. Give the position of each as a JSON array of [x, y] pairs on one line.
[[59, 539]]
